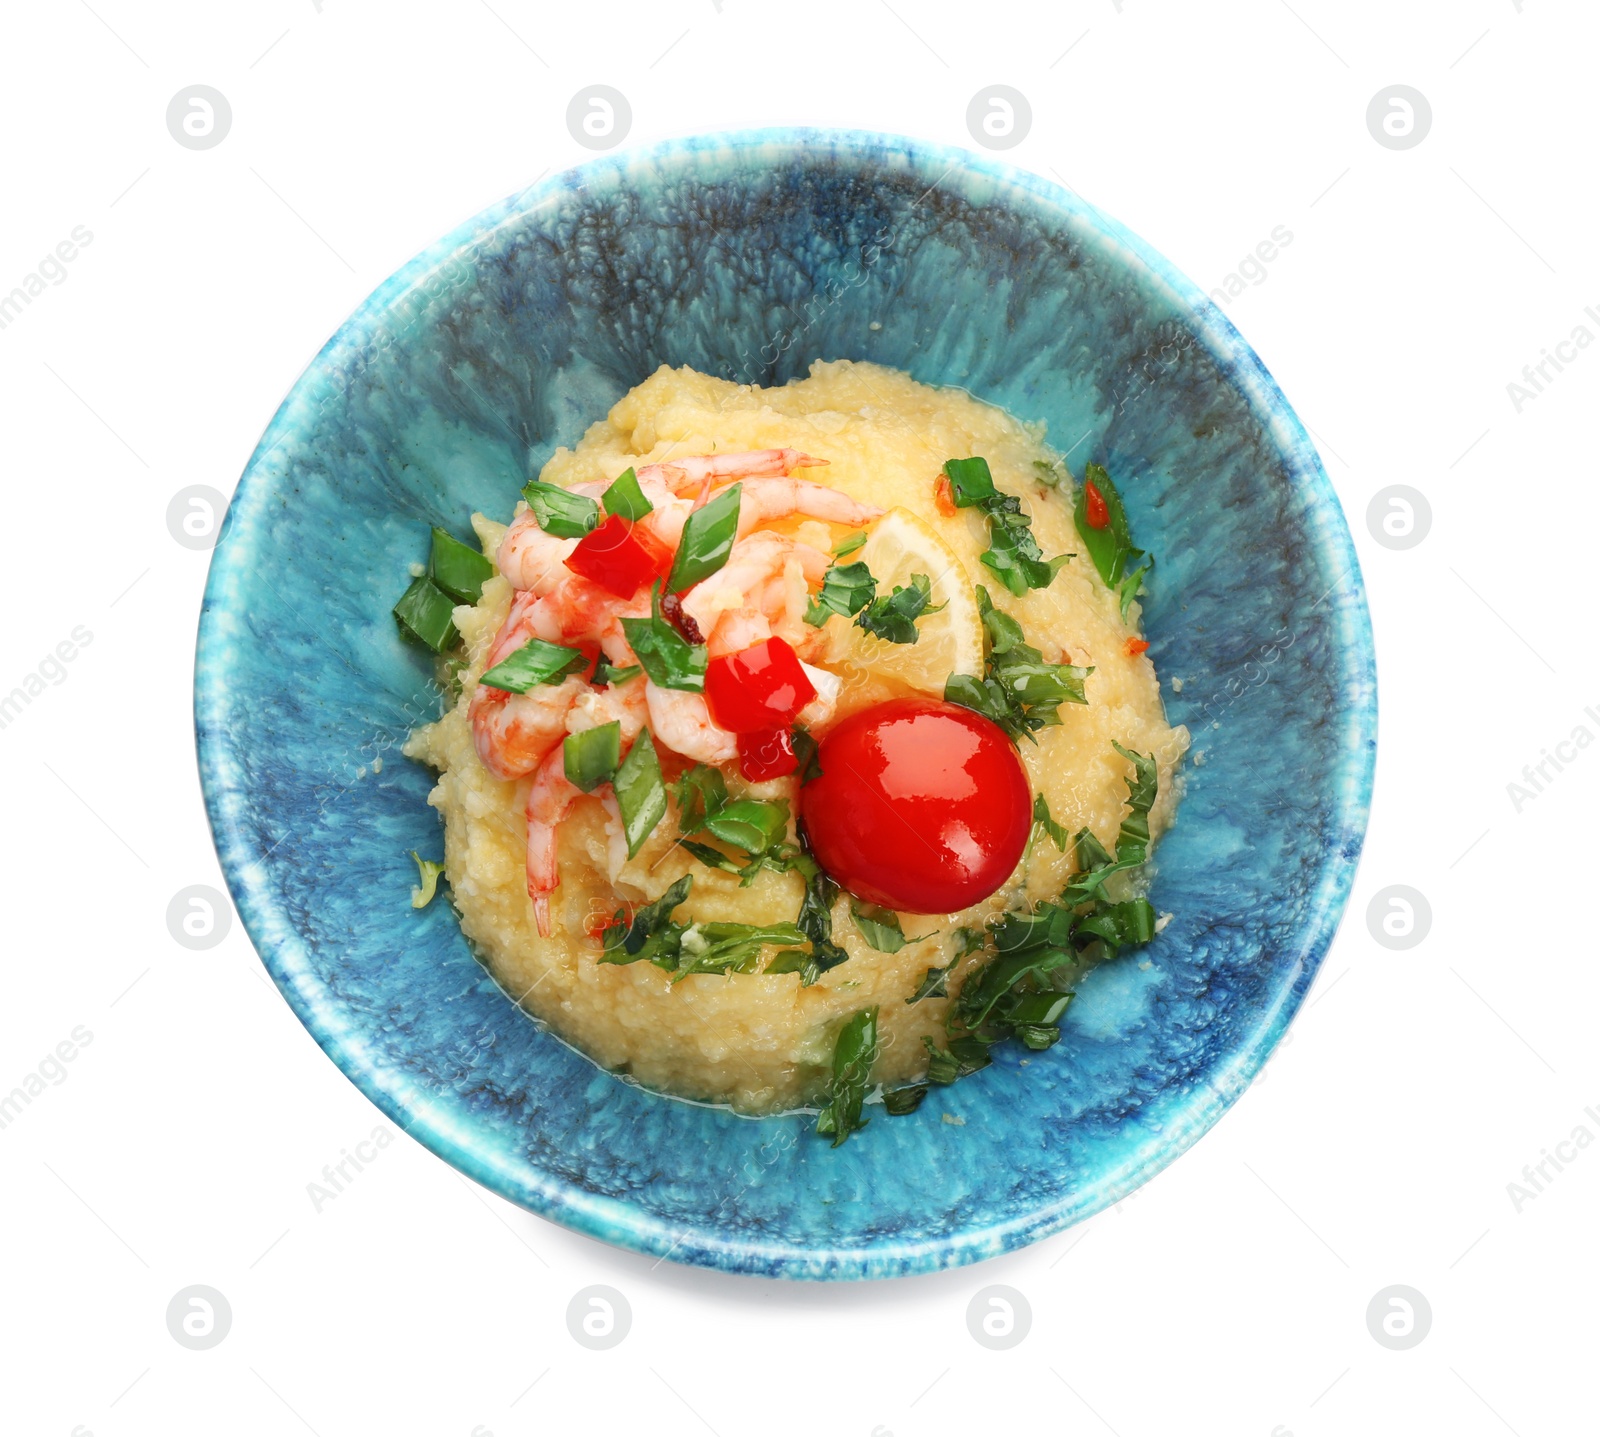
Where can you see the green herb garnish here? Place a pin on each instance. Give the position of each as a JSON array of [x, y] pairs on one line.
[[901, 1101], [807, 765], [879, 926], [1041, 816], [591, 756], [605, 672], [854, 1053], [1022, 991], [1013, 554], [850, 544], [424, 613], [1111, 548], [559, 511], [893, 617], [457, 568], [536, 662], [707, 537], [846, 590], [960, 1058], [428, 877], [729, 947], [626, 498], [641, 794], [1018, 690], [670, 660], [649, 930]]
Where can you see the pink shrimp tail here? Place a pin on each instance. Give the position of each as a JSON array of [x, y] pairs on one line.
[[541, 914]]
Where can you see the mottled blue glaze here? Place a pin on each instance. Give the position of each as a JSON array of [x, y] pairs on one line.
[[749, 256]]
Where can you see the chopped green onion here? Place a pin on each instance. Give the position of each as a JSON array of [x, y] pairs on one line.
[[879, 926], [1046, 473], [626, 498], [893, 617], [592, 755], [850, 544], [707, 537], [641, 795], [428, 872], [424, 613], [846, 590], [670, 660], [458, 569], [854, 1053], [559, 511], [901, 1101], [751, 824], [536, 662], [970, 481]]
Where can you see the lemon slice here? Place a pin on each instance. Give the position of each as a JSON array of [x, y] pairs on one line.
[[948, 642]]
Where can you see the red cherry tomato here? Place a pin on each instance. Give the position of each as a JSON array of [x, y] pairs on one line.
[[922, 806], [619, 557], [767, 753], [761, 687]]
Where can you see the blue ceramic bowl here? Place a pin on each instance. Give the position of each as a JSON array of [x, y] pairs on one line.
[[749, 256]]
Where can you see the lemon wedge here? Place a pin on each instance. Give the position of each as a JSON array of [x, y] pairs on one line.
[[948, 642]]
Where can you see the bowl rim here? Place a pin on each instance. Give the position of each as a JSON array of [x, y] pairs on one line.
[[617, 1221]]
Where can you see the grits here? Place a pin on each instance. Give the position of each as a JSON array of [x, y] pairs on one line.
[[756, 1042]]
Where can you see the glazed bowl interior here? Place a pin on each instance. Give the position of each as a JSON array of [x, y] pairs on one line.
[[749, 257]]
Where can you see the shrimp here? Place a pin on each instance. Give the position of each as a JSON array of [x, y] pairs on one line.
[[764, 501], [550, 800], [532, 559], [514, 732], [702, 470], [580, 612], [622, 703], [682, 721], [764, 582]]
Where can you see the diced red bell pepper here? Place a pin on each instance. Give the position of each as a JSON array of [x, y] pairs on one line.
[[1094, 506], [620, 557], [1135, 647], [767, 753], [762, 687]]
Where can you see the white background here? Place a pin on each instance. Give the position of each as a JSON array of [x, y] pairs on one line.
[[1230, 1295]]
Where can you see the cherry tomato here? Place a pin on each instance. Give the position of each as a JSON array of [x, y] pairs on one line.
[[619, 557], [922, 806], [767, 753], [761, 687]]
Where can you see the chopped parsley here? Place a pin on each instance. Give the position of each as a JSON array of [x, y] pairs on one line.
[[846, 590], [893, 617], [1013, 555], [879, 926], [1018, 690], [669, 659], [854, 1052], [1022, 991]]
